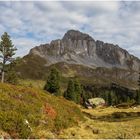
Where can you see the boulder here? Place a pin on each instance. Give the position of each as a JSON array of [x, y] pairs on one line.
[[96, 102]]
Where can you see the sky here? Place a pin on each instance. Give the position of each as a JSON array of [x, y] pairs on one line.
[[37, 22]]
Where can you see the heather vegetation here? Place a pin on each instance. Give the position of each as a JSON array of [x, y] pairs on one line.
[[27, 112]]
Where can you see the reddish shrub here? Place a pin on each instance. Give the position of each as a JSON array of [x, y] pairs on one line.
[[49, 111]]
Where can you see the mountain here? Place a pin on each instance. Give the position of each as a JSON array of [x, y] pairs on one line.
[[80, 48], [78, 54]]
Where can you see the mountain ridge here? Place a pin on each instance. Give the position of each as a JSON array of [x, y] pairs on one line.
[[80, 48]]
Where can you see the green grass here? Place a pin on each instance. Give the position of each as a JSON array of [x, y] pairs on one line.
[[32, 83], [47, 115]]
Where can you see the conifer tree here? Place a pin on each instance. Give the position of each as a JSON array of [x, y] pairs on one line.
[[71, 91], [83, 96], [78, 90], [11, 76], [7, 50], [105, 96], [53, 82], [113, 98], [109, 99]]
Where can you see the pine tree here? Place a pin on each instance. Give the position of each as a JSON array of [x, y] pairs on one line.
[[53, 82], [113, 98], [105, 96], [109, 99], [70, 92], [7, 51], [11, 75], [78, 90], [83, 96]]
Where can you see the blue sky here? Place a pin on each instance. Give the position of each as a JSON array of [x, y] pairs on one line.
[[32, 23]]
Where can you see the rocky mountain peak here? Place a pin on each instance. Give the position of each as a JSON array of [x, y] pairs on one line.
[[76, 35], [80, 48]]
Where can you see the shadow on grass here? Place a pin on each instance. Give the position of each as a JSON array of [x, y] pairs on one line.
[[115, 117]]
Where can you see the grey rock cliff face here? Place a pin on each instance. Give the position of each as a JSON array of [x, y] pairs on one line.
[[80, 48]]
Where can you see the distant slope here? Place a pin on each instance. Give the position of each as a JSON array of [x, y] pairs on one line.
[[33, 67], [46, 114]]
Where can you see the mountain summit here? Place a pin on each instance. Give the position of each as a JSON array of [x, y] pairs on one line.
[[80, 48]]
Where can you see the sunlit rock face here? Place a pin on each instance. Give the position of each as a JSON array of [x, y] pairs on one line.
[[80, 48]]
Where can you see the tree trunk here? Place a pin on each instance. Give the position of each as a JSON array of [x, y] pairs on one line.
[[2, 77], [3, 67]]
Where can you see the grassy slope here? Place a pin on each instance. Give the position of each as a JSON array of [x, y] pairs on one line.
[[32, 83], [47, 114]]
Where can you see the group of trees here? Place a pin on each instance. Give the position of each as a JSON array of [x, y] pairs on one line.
[[74, 91], [112, 98], [113, 95]]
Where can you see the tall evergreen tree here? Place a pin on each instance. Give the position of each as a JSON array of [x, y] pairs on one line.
[[105, 96], [70, 92], [11, 75], [109, 99], [83, 96], [7, 50], [78, 90], [113, 98], [53, 82]]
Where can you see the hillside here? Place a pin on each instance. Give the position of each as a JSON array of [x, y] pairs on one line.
[[32, 113], [33, 67]]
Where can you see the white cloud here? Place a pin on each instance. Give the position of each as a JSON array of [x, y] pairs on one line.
[[31, 23], [2, 29], [24, 45]]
